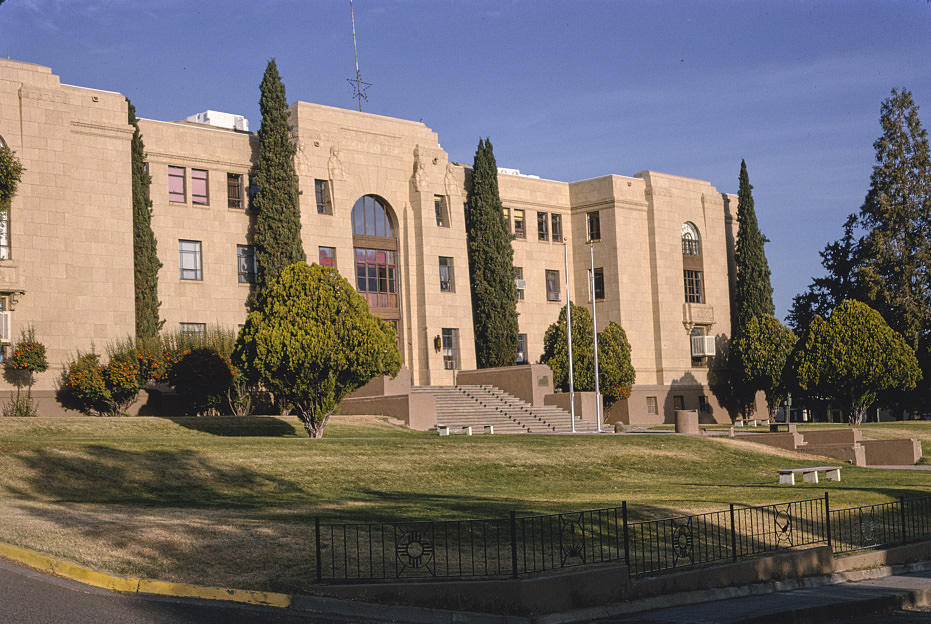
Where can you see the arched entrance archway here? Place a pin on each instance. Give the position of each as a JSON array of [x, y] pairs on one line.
[[375, 249]]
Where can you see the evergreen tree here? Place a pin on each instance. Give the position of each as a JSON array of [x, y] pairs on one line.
[[841, 259], [491, 266], [556, 350], [759, 355], [277, 233], [897, 214], [753, 293], [145, 248]]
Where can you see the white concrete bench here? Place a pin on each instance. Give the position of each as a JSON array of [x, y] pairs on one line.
[[444, 430], [810, 475]]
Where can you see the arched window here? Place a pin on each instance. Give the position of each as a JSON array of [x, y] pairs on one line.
[[370, 217], [691, 244]]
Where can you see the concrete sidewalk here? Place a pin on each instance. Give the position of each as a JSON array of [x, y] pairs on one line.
[[842, 603]]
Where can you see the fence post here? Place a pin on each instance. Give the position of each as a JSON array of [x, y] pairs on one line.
[[827, 518], [319, 549], [733, 535], [513, 544], [626, 537], [904, 524]]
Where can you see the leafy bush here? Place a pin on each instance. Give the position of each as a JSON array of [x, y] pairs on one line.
[[92, 388], [28, 357], [203, 377]]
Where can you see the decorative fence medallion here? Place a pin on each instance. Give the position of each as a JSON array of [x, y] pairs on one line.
[[414, 550], [867, 528], [783, 521], [682, 541], [573, 540]]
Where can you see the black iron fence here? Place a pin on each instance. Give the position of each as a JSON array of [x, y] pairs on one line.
[[532, 545]]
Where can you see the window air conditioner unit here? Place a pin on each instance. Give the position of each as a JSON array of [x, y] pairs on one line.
[[554, 296], [520, 284], [6, 333]]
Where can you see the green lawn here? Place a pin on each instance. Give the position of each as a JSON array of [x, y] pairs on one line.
[[231, 501]]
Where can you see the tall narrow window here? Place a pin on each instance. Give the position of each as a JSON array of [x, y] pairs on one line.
[[439, 207], [199, 187], [190, 260], [327, 256], [322, 193], [450, 348], [446, 274], [507, 218], [245, 259], [522, 349], [693, 287], [599, 286], [552, 286], [557, 228], [652, 405], [519, 282], [234, 190], [176, 184], [543, 226], [5, 234], [594, 226], [520, 226], [691, 245]]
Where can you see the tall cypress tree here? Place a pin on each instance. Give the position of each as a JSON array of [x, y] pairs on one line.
[[491, 266], [277, 233], [145, 248], [753, 294]]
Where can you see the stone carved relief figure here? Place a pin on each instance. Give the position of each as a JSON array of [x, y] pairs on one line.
[[420, 171], [452, 188], [335, 166]]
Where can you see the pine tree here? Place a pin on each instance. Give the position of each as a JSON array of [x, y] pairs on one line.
[[145, 248], [277, 233], [897, 214], [753, 293], [491, 266]]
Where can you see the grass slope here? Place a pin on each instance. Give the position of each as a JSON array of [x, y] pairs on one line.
[[231, 501]]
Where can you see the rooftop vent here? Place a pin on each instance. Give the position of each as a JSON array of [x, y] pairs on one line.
[[221, 120]]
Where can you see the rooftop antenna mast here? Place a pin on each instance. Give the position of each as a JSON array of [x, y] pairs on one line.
[[358, 85]]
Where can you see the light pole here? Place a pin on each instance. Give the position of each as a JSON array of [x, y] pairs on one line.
[[569, 336], [591, 247]]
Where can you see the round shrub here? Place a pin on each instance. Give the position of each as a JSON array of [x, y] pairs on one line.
[[203, 377]]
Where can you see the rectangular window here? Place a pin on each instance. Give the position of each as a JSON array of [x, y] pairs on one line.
[[703, 405], [599, 283], [693, 287], [519, 282], [199, 186], [234, 190], [520, 227], [245, 258], [557, 228], [190, 260], [552, 286], [446, 274], [5, 235], [522, 349], [450, 342], [176, 184], [543, 226], [678, 402], [327, 256], [376, 277], [652, 405], [193, 329], [594, 226], [322, 193], [439, 207], [507, 218]]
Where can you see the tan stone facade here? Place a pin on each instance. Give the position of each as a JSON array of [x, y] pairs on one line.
[[70, 265]]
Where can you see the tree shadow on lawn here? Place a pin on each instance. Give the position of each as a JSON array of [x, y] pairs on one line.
[[240, 426], [176, 478]]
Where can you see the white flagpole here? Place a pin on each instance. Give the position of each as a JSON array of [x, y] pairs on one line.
[[569, 334]]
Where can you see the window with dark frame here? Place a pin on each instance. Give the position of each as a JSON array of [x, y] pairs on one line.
[[245, 259], [693, 286], [552, 286], [450, 344], [520, 226], [556, 221], [176, 186], [522, 348], [543, 226], [326, 256], [678, 402], [439, 207], [189, 252], [594, 226], [200, 187], [322, 195], [599, 279], [519, 282], [446, 274], [234, 190], [506, 212]]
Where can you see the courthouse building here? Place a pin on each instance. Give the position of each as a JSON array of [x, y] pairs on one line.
[[383, 203]]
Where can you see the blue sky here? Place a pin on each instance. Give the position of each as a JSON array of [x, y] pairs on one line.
[[565, 90]]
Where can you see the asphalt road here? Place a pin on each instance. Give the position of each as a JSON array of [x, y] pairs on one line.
[[28, 597]]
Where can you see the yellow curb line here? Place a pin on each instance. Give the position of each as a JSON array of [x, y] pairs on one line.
[[131, 585]]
